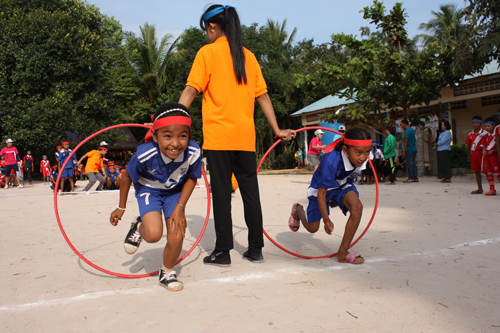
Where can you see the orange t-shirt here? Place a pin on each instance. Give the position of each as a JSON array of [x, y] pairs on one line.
[[228, 107], [94, 162]]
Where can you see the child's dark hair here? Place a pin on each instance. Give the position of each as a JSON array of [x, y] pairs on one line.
[[391, 129], [161, 111], [355, 133], [477, 118], [228, 21], [489, 119], [405, 121], [446, 124]]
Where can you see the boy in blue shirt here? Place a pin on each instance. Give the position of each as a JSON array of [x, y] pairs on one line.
[[68, 170], [164, 172]]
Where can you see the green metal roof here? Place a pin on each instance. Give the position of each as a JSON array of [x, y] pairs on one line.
[[324, 103]]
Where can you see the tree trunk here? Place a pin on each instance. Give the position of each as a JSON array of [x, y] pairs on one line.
[[421, 153]]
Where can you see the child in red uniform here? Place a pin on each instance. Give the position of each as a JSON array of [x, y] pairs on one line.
[[497, 136], [475, 154], [45, 169], [491, 165]]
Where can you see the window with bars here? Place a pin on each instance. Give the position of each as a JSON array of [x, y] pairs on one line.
[[475, 88], [491, 100], [458, 105]]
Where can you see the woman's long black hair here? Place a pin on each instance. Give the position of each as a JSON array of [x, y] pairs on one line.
[[355, 133], [229, 22]]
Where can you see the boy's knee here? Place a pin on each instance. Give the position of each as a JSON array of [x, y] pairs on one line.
[[150, 236]]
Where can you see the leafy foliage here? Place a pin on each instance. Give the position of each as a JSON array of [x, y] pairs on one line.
[[62, 70]]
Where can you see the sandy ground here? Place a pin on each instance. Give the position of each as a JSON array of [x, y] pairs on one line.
[[432, 265]]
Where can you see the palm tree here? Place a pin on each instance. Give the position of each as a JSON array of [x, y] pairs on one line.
[[150, 60], [279, 52], [447, 24]]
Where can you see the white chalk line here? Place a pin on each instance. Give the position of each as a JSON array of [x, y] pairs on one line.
[[239, 278]]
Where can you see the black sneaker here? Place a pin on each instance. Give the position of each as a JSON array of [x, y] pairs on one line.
[[253, 254], [218, 258], [169, 281], [133, 239]]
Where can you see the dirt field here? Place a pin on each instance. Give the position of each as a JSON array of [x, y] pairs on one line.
[[432, 265]]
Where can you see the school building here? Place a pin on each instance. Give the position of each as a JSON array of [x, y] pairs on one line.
[[475, 95]]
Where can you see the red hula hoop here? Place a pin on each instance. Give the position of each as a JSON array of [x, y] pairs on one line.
[[364, 231], [128, 276]]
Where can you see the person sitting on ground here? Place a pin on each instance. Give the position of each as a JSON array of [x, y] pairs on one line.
[[53, 177], [112, 178], [3, 181], [333, 185]]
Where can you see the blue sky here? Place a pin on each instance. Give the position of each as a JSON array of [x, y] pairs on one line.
[[317, 19]]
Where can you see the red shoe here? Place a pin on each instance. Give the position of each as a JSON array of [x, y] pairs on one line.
[[492, 192]]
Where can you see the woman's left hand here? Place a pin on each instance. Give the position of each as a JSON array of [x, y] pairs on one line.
[[287, 134]]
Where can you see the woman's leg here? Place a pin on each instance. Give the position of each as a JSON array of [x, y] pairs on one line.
[[245, 171], [355, 207], [92, 180], [221, 168]]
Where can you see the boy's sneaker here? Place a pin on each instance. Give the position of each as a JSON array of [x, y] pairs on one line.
[[21, 186], [218, 258], [169, 281], [133, 239], [253, 254], [493, 192]]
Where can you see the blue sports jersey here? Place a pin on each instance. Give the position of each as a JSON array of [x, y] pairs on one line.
[[152, 171], [63, 154], [112, 176], [54, 175], [334, 171]]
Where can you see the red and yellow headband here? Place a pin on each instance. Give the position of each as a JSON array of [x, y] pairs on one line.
[[357, 143]]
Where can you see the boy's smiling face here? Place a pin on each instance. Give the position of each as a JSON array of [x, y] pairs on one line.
[[66, 146], [357, 155], [172, 140]]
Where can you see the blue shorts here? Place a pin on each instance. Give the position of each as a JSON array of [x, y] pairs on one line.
[[67, 173], [154, 202], [337, 196]]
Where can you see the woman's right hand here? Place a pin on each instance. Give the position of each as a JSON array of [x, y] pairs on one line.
[[287, 134], [116, 216]]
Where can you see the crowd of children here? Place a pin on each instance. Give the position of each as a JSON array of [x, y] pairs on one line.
[[14, 169]]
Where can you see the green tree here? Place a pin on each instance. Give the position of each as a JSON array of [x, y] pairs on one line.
[[384, 72], [152, 61], [446, 26], [481, 38], [54, 65]]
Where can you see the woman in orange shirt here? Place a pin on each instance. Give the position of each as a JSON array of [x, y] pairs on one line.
[[94, 165], [231, 79]]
